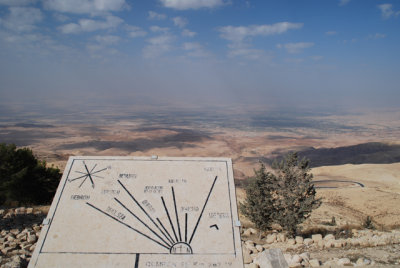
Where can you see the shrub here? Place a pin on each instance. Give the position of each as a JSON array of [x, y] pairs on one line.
[[24, 178], [368, 224], [285, 197]]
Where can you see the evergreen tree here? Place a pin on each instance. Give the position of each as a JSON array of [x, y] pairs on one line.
[[24, 178], [286, 196]]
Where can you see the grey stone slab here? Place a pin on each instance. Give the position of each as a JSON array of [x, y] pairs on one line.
[[142, 212], [272, 258]]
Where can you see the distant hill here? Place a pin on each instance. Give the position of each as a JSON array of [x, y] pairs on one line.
[[365, 153]]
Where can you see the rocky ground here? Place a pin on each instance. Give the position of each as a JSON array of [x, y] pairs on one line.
[[20, 229], [359, 248]]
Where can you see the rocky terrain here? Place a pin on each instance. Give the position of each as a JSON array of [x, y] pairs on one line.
[[20, 229], [362, 248]]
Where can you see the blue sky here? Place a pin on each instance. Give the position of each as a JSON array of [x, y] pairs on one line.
[[320, 53]]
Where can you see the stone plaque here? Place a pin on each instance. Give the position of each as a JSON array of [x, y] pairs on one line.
[[142, 212]]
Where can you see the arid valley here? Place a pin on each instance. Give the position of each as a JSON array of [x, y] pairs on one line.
[[355, 156]]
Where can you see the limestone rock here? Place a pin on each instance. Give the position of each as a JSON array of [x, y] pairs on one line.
[[344, 262], [272, 258], [329, 244], [299, 240], [362, 262], [316, 237], [308, 241], [247, 232], [271, 238], [296, 259], [31, 238], [291, 241], [281, 237], [246, 256], [314, 263], [329, 237], [305, 256], [253, 265], [259, 248]]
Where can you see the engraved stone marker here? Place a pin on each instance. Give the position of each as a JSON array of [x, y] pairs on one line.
[[142, 212]]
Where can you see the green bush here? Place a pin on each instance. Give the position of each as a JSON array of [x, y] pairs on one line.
[[24, 178], [285, 197]]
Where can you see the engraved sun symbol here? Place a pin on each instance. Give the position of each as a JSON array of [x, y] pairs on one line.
[[88, 174]]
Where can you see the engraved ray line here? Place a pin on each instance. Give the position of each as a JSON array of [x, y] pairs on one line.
[[127, 225], [93, 168], [90, 177], [169, 218], [201, 214], [98, 171], [186, 215], [162, 225], [78, 177], [145, 212], [151, 230], [83, 181], [176, 213]]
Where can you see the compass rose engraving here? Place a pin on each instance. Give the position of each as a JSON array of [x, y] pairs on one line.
[[88, 174]]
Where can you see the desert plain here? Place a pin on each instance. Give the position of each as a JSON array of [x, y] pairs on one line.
[[355, 156]]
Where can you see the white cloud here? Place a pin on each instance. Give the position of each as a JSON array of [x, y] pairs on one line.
[[238, 34], [376, 36], [22, 19], [107, 39], [16, 2], [192, 4], [158, 29], [180, 22], [60, 17], [158, 45], [245, 51], [89, 25], [387, 11], [331, 33], [134, 31], [188, 33], [156, 16], [85, 6], [194, 49], [295, 47], [343, 2]]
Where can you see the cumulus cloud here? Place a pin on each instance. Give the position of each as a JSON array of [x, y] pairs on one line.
[[156, 16], [239, 33], [85, 6], [21, 19], [295, 47], [134, 31], [158, 45], [89, 25], [107, 39], [376, 36], [192, 4], [180, 22], [194, 49], [343, 2], [331, 33], [387, 11], [16, 2], [188, 33], [158, 29], [244, 51]]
